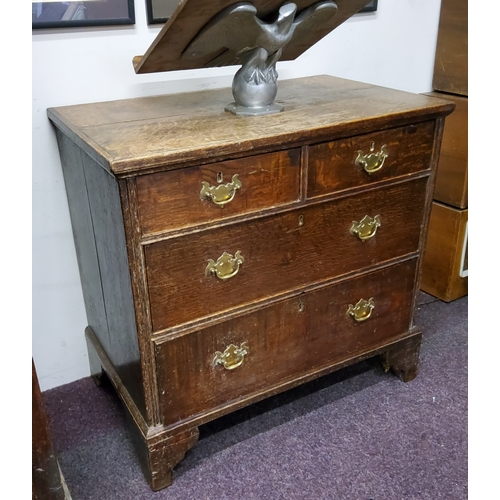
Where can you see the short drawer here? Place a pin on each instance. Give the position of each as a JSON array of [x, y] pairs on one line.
[[209, 272], [297, 337], [367, 159], [196, 195]]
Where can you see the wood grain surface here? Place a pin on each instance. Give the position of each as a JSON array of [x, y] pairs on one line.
[[165, 52], [171, 200], [133, 136], [452, 49], [290, 338], [443, 253], [144, 238], [452, 182], [280, 254], [47, 482], [332, 165]]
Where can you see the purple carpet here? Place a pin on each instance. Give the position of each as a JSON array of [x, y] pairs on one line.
[[358, 434]]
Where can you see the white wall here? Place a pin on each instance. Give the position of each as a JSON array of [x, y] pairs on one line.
[[393, 47]]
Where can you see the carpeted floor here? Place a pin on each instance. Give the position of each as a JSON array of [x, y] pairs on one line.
[[358, 434]]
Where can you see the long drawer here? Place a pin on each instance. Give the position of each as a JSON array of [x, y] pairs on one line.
[[256, 352], [212, 271]]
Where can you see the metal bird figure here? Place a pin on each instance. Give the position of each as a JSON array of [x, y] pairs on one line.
[[237, 36]]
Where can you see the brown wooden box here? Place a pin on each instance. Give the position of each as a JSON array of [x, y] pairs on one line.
[[451, 62], [445, 273], [452, 175]]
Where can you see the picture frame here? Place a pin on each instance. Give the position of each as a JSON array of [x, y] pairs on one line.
[[159, 11], [370, 7], [48, 14]]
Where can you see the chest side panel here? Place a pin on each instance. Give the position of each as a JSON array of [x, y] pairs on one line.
[[97, 220]]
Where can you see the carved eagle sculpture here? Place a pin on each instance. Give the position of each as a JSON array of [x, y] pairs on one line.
[[238, 30], [237, 36]]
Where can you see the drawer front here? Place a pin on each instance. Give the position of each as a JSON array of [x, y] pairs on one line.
[[271, 255], [334, 166], [290, 339], [196, 195]]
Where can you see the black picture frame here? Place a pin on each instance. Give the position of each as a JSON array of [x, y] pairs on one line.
[[152, 10], [59, 14], [370, 7]]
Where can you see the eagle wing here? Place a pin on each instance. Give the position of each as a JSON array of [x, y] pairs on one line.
[[234, 29], [313, 18]]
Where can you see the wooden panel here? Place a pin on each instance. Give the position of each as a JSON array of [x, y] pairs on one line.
[[332, 164], [280, 254], [452, 175], [137, 135], [73, 170], [47, 481], [451, 63], [165, 52], [111, 247], [442, 261], [97, 223], [286, 340], [171, 200]]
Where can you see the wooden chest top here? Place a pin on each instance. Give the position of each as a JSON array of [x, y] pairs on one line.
[[160, 132]]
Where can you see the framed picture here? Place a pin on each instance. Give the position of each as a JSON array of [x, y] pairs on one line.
[[57, 14], [160, 10], [370, 7]]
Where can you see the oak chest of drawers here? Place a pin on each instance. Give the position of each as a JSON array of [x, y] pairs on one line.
[[224, 259]]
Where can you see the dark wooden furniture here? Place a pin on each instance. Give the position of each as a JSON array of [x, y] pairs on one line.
[[445, 266], [451, 61], [225, 259], [47, 482], [444, 274]]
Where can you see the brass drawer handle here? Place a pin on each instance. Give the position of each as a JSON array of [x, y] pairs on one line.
[[372, 162], [362, 310], [221, 194], [226, 266], [232, 357], [366, 227]]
